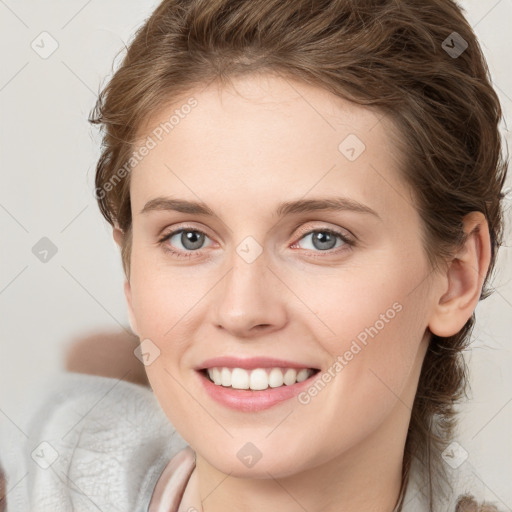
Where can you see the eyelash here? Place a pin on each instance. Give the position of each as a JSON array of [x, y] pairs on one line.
[[348, 243]]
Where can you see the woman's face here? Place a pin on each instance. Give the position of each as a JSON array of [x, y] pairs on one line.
[[344, 290]]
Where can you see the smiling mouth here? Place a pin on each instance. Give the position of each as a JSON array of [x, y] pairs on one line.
[[257, 379]]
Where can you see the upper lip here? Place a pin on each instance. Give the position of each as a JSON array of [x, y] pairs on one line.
[[249, 363]]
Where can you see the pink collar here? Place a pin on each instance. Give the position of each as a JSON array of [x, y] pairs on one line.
[[171, 485]]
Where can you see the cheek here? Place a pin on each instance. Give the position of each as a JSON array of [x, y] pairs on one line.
[[376, 354], [163, 299], [375, 321], [369, 299]]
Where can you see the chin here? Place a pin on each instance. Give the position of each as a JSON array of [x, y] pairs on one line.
[[277, 465]]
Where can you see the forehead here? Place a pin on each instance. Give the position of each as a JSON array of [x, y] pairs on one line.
[[268, 135]]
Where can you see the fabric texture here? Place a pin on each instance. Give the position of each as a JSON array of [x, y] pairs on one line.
[[98, 443], [95, 443]]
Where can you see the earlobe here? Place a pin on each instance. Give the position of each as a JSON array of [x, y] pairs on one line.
[[464, 275], [128, 296]]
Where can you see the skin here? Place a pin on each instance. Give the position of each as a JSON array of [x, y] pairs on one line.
[[242, 151]]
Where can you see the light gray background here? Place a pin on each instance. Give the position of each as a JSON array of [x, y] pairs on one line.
[[48, 155]]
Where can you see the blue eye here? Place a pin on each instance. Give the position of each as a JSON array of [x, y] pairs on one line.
[[326, 239], [191, 240]]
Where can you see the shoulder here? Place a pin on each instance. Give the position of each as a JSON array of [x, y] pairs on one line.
[[97, 442]]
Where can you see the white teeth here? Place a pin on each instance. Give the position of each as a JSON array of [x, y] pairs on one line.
[[275, 378], [302, 375], [216, 376], [225, 377], [290, 377], [239, 378], [257, 379]]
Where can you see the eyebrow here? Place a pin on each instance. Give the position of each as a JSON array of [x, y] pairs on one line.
[[334, 204]]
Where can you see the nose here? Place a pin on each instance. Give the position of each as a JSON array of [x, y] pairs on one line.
[[250, 300]]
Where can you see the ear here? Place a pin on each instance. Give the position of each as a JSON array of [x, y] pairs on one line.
[[118, 235], [463, 279], [128, 295]]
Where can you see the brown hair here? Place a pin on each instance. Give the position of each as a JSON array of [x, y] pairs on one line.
[[396, 56], [467, 504]]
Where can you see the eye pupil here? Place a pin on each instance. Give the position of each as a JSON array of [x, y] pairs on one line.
[[192, 237], [323, 237]]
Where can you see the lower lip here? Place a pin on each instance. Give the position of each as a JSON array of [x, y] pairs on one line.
[[251, 401]]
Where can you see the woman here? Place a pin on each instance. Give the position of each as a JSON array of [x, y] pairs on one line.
[[306, 196]]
